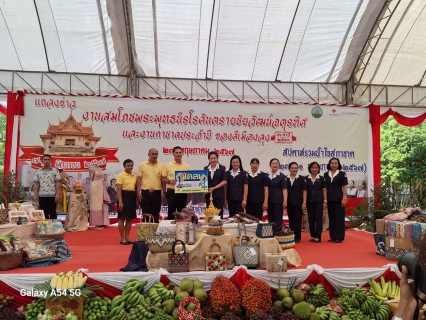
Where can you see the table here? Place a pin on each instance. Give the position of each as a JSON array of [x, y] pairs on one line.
[[166, 226], [203, 242], [21, 231]]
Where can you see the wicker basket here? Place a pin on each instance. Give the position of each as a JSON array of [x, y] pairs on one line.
[[4, 213], [10, 261]]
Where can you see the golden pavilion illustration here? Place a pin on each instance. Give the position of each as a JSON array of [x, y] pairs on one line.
[[69, 137]]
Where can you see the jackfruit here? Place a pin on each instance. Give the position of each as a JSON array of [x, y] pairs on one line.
[[302, 310], [314, 316], [169, 306]]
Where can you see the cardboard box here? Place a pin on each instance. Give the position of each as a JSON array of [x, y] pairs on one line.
[[65, 304], [399, 243], [393, 305]]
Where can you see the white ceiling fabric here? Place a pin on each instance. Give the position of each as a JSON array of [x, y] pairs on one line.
[[251, 40]]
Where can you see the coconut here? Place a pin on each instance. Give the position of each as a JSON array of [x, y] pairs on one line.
[[175, 314], [201, 295], [187, 285], [198, 284], [279, 304], [169, 306], [190, 306], [297, 296], [180, 296], [288, 302], [282, 293]]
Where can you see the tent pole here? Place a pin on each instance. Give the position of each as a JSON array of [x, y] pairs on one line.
[[132, 71]]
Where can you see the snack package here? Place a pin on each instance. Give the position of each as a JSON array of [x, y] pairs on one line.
[[29, 244], [16, 243], [6, 246]]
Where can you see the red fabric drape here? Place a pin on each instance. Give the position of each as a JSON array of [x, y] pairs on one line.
[[375, 128], [19, 300], [240, 278], [315, 278], [15, 106], [405, 121], [388, 275], [109, 291], [3, 110]]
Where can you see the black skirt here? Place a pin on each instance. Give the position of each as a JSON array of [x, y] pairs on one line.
[[129, 205]]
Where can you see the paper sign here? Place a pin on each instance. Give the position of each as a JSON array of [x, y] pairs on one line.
[[392, 243], [252, 251], [280, 262]]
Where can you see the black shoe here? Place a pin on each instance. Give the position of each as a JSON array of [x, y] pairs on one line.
[[129, 242], [311, 239], [297, 241], [316, 240], [125, 243], [331, 240], [337, 241]]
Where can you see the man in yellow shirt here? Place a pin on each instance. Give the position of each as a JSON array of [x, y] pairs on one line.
[[150, 184], [175, 201]]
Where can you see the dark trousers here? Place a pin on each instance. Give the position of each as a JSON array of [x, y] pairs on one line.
[[175, 202], [295, 214], [275, 213], [255, 209], [217, 202], [315, 218], [48, 205], [151, 203], [234, 207], [336, 215]]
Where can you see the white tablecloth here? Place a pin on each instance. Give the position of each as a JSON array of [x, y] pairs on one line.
[[166, 226], [22, 231]]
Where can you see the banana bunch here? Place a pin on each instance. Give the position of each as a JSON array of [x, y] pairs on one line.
[[128, 299], [334, 316], [358, 305], [118, 311], [384, 290], [145, 310], [159, 293], [323, 312], [70, 280], [134, 284], [318, 296]]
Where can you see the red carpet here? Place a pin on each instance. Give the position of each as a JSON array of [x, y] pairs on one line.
[[100, 251]]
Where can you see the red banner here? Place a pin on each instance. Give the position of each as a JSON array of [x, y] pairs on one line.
[[34, 155]]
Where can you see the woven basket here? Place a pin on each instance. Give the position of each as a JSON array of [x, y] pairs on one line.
[[41, 257], [10, 261], [4, 213]]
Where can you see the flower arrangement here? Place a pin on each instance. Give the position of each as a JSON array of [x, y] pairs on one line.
[[184, 314], [224, 296], [256, 296]]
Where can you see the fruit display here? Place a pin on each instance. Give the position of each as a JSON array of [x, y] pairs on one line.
[[225, 301], [8, 313], [34, 309], [96, 308], [384, 290], [5, 300]]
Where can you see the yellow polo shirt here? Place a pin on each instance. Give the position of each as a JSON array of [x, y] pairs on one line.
[[127, 181], [170, 168], [151, 175]]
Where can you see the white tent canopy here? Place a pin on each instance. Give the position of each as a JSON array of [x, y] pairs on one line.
[[366, 42]]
